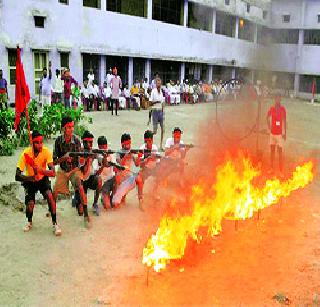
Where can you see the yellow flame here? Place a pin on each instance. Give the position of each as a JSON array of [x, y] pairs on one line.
[[232, 196]]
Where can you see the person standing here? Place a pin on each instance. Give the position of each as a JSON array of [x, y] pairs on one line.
[[68, 81], [109, 77], [35, 160], [3, 91], [277, 124], [90, 77], [45, 88], [157, 108], [57, 87], [116, 85]]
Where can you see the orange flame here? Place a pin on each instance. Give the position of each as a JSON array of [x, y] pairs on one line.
[[233, 195]]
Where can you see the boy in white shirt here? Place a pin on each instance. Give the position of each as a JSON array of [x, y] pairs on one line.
[[107, 96], [157, 108]]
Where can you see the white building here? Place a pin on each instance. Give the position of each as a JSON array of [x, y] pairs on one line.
[[200, 39]]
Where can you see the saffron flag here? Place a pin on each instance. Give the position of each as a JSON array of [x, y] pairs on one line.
[[22, 90]]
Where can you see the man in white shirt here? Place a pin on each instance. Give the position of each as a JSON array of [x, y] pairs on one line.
[[45, 88], [109, 77], [107, 96], [57, 87], [157, 108], [90, 77], [85, 94]]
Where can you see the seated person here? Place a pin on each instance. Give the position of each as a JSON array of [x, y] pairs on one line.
[[127, 180]]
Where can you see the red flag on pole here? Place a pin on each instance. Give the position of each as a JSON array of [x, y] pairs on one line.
[[22, 91]]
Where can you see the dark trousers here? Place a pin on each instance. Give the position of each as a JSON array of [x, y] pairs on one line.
[[116, 103]]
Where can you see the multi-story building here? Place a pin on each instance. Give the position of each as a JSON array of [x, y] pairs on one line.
[[179, 39]]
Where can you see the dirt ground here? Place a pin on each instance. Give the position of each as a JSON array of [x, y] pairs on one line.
[[279, 254]]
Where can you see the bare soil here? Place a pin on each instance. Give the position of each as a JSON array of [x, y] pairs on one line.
[[277, 255]]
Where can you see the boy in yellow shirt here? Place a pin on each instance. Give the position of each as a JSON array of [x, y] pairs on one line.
[[37, 163]]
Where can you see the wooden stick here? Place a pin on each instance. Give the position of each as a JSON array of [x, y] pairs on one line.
[[147, 280]]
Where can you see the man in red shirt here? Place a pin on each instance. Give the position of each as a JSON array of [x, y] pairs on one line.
[[277, 124]]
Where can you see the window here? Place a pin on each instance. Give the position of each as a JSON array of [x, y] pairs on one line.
[[285, 18], [167, 70], [92, 3], [138, 68], [285, 36], [248, 8], [64, 60], [265, 14], [227, 2], [306, 81], [169, 11], [91, 62], [66, 2], [128, 7], [39, 21], [312, 37], [12, 57], [318, 18], [246, 30], [199, 17], [264, 35], [225, 24], [40, 60]]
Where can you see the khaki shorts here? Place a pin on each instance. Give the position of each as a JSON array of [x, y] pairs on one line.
[[276, 140], [62, 181]]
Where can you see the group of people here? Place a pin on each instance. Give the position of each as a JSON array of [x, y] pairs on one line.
[[109, 173]]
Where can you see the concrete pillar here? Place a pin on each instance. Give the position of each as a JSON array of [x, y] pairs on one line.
[[182, 71], [237, 27], [214, 20], [147, 70], [298, 62], [209, 73], [76, 65], [296, 84], [103, 68], [255, 35], [149, 16], [130, 72], [233, 73], [103, 5], [185, 13]]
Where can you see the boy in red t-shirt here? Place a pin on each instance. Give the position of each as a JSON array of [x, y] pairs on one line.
[[277, 124]]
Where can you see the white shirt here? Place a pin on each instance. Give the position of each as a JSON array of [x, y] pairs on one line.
[[107, 92], [46, 86], [90, 78], [126, 92], [85, 92], [176, 154], [156, 96], [93, 90], [58, 84], [109, 78], [145, 86]]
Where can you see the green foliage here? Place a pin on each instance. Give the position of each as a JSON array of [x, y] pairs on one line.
[[48, 125]]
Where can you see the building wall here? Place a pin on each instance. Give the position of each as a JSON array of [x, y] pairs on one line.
[[79, 30]]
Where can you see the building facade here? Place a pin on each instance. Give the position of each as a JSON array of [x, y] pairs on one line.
[[179, 39]]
